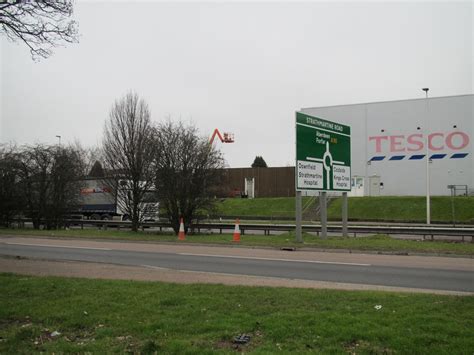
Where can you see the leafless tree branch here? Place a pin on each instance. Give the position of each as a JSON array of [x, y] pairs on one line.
[[41, 182], [129, 153], [41, 25], [188, 171]]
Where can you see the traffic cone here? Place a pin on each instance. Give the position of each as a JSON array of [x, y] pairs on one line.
[[181, 235], [237, 231]]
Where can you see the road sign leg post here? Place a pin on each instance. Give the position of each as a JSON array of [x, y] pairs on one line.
[[324, 215], [323, 159], [344, 215], [298, 215]]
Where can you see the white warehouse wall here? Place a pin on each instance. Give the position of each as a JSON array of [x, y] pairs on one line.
[[388, 131]]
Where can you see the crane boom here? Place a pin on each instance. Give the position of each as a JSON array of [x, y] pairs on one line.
[[226, 138]]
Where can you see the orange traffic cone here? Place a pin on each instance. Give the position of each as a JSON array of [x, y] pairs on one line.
[[181, 235], [237, 231]]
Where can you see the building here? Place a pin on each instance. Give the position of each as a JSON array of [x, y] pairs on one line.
[[387, 150], [388, 144], [259, 182]]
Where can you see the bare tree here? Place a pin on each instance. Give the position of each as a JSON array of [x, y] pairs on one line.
[[129, 152], [36, 163], [10, 193], [90, 156], [188, 172], [96, 171], [50, 182], [41, 25], [259, 162], [66, 177]]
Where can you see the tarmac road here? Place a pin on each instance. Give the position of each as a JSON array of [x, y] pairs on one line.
[[417, 272]]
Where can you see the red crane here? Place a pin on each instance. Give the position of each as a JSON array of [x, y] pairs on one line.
[[225, 138]]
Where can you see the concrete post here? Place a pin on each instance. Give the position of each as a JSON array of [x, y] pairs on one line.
[[299, 216], [323, 214], [344, 215]]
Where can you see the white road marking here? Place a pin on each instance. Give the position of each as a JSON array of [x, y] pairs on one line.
[[273, 259], [207, 255], [55, 246], [238, 275], [155, 267], [323, 284], [322, 160], [219, 273]]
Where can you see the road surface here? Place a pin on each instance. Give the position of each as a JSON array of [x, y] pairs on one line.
[[414, 272]]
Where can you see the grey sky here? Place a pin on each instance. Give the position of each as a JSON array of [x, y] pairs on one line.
[[240, 67]]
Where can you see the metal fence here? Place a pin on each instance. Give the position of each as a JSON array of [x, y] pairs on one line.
[[354, 230]]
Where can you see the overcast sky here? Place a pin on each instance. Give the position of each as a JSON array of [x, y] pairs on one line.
[[239, 67]]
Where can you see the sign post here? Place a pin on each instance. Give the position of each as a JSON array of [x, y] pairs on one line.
[[323, 160], [299, 217], [344, 214]]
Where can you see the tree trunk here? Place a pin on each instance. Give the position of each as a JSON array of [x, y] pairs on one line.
[[174, 224], [36, 222], [135, 222]]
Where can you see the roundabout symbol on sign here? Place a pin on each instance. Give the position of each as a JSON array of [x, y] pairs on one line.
[[327, 163]]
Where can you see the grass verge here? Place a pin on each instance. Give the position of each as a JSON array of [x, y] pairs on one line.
[[143, 317], [405, 209], [381, 208], [263, 207], [379, 242]]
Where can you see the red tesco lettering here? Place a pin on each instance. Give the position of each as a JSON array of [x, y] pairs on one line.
[[415, 142]]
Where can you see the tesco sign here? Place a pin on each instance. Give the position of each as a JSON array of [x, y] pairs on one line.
[[437, 141]]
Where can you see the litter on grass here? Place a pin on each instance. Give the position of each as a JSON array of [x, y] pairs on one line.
[[377, 307], [242, 339]]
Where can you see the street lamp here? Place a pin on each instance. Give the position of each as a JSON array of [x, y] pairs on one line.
[[59, 138], [428, 211]]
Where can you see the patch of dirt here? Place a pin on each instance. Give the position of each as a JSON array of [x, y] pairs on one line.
[[361, 346], [45, 336], [80, 338], [15, 322], [256, 338], [226, 344]]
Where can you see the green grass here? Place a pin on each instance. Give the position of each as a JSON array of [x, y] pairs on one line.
[[92, 234], [404, 209], [373, 243], [102, 316], [383, 243], [383, 208], [262, 207]]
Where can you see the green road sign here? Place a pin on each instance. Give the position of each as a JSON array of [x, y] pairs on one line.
[[323, 154]]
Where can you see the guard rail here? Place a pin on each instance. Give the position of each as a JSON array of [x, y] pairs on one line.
[[425, 231]]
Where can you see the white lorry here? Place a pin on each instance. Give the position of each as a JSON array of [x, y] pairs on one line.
[[98, 200]]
